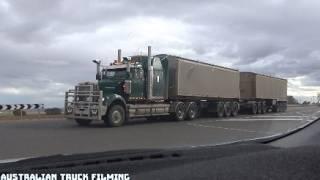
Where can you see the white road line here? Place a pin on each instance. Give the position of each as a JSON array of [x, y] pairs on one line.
[[231, 129], [235, 120], [278, 116], [302, 114]]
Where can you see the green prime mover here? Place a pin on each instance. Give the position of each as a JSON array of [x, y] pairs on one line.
[[155, 86]]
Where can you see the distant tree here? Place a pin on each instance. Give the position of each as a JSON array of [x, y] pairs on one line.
[[292, 100], [53, 111], [318, 97], [306, 102]]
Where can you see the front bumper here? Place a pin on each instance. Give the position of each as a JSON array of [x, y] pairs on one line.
[[92, 108], [86, 113]]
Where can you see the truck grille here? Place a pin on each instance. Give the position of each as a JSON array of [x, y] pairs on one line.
[[85, 92], [84, 101]]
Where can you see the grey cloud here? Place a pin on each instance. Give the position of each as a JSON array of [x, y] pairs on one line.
[[280, 35], [313, 79]]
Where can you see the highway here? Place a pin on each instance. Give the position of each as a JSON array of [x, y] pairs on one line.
[[33, 138]]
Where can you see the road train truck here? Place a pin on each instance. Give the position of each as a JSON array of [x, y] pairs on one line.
[[172, 87]]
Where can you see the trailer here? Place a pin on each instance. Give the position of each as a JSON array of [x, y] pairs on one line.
[[260, 93], [202, 87], [171, 86], [195, 79]]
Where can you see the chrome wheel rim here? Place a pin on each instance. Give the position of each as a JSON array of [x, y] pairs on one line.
[[116, 117], [180, 111], [192, 113]]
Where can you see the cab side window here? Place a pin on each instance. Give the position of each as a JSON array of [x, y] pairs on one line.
[[140, 74], [137, 73]]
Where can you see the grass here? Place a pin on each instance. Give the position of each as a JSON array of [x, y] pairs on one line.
[[7, 115]]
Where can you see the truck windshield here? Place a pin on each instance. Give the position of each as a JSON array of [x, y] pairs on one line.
[[115, 73]]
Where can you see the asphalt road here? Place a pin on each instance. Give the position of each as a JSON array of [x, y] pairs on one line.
[[32, 138]]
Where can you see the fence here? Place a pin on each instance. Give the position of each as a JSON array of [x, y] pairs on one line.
[[26, 107]]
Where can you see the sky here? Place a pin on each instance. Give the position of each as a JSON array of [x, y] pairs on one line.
[[46, 46]]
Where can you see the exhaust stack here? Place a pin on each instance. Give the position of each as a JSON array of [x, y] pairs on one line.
[[119, 56], [150, 75], [98, 64]]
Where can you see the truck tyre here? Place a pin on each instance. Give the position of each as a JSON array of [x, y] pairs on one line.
[[192, 111], [180, 111], [280, 107], [83, 122], [259, 108], [285, 107], [116, 116], [220, 109], [276, 108], [235, 109], [263, 108], [227, 109], [254, 108]]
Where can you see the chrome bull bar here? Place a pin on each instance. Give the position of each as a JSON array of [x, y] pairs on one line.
[[84, 104]]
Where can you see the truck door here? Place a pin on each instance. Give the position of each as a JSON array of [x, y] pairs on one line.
[[137, 84], [158, 79]]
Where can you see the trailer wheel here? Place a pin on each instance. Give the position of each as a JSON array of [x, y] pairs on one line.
[[116, 116], [285, 107], [192, 111], [220, 109], [83, 122], [227, 109], [282, 107], [235, 109], [263, 108], [180, 111], [259, 108], [254, 108], [276, 108]]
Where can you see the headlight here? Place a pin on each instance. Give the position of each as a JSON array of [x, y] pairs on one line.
[[94, 111], [69, 109]]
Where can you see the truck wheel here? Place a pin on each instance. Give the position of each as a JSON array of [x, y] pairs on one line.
[[227, 109], [83, 122], [192, 111], [220, 109], [285, 107], [276, 108], [180, 111], [235, 109], [116, 116], [263, 108], [254, 108], [282, 107], [259, 108]]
